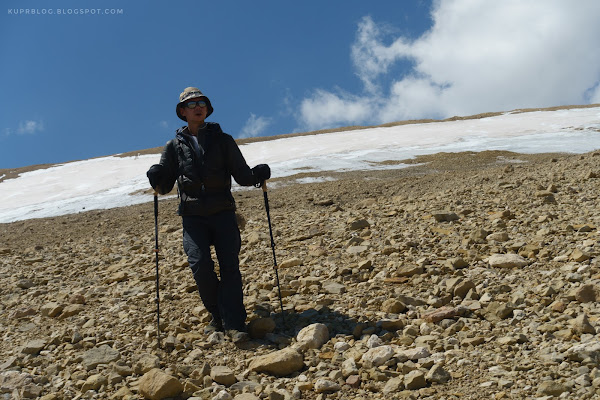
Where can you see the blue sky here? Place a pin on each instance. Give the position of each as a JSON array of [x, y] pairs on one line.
[[103, 77]]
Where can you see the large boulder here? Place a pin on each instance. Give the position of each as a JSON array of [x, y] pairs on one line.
[[279, 363], [313, 336], [157, 385]]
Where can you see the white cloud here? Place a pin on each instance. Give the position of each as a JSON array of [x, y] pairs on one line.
[[163, 124], [30, 127], [327, 109], [370, 57], [254, 126], [477, 56]]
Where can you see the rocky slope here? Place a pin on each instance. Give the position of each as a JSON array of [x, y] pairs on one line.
[[465, 276]]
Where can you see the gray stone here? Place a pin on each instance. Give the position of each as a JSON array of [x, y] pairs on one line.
[[507, 261], [437, 374], [378, 355], [99, 355], [349, 367], [416, 353], [334, 287], [326, 386], [357, 249], [585, 351], [34, 346], [223, 395], [374, 341]]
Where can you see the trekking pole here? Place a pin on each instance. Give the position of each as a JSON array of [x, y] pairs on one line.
[[264, 188], [156, 252]]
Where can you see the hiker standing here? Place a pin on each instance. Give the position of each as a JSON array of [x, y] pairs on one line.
[[202, 159]]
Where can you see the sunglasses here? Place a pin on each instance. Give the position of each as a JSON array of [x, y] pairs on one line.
[[193, 104]]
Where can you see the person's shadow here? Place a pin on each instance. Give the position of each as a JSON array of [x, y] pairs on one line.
[[289, 323]]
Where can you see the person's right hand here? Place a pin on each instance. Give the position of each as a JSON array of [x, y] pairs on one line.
[[261, 172]]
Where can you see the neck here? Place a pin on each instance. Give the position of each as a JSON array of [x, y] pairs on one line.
[[193, 127]]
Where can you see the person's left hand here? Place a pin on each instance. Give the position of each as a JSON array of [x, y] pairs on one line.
[[154, 175]]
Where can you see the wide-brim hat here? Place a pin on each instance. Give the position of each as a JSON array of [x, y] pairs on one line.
[[192, 93]]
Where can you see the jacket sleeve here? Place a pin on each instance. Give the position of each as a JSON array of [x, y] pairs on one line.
[[236, 164], [170, 168]]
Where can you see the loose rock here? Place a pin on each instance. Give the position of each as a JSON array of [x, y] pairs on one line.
[[280, 363], [157, 385]]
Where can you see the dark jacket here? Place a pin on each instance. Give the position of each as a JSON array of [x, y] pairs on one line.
[[203, 180]]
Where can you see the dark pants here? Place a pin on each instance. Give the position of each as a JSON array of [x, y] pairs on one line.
[[223, 297]]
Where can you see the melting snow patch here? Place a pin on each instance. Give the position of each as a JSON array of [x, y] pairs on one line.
[[316, 179], [504, 160], [111, 182]]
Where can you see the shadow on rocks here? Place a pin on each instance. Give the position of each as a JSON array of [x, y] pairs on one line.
[[288, 324]]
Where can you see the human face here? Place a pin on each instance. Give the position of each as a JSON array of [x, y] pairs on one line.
[[196, 114]]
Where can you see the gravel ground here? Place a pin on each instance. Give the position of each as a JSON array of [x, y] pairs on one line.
[[465, 276]]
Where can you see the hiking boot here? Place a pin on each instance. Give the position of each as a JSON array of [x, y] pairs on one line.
[[214, 325], [238, 337]]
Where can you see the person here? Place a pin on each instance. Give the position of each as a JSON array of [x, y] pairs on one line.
[[202, 159]]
